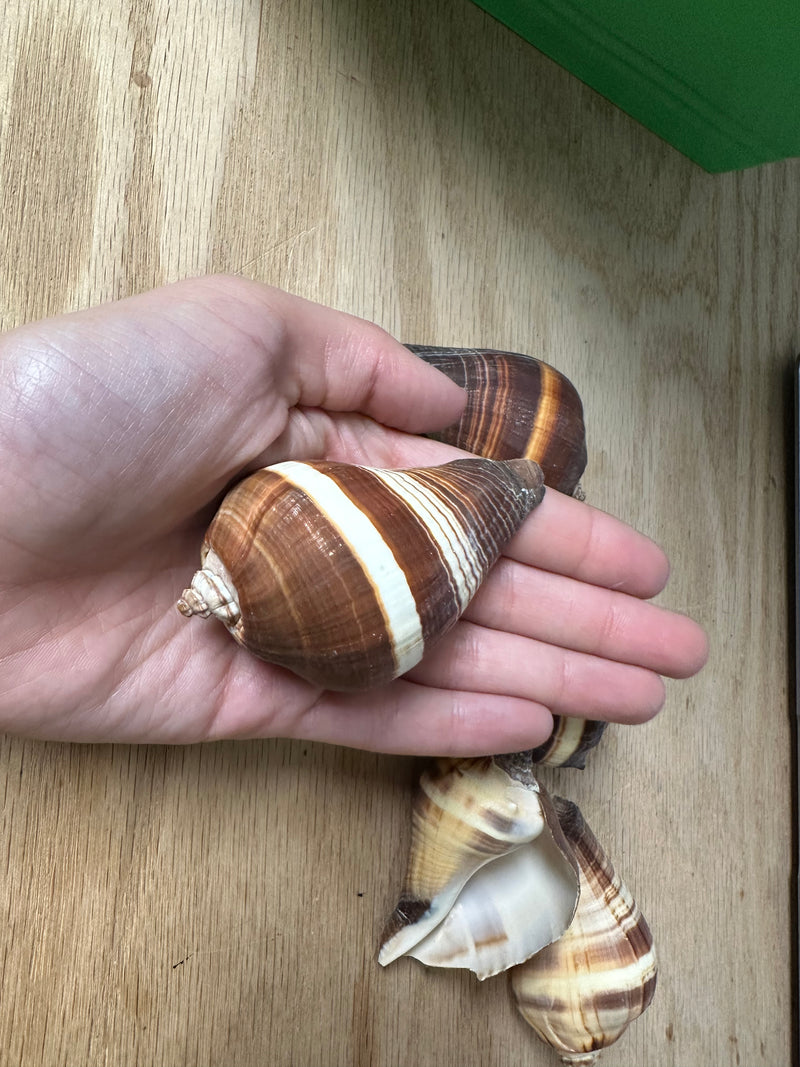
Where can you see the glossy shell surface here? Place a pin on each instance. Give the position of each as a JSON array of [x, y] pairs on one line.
[[517, 405], [488, 880], [571, 740], [582, 992], [346, 575]]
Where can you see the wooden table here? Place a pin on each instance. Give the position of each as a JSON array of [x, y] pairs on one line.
[[420, 166]]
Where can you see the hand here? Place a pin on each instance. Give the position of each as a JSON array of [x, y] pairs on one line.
[[119, 428]]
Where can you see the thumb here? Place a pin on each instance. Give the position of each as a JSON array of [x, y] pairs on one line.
[[341, 363]]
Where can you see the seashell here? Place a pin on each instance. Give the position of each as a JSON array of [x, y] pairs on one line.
[[569, 743], [581, 992], [466, 812], [516, 406], [346, 575], [489, 879]]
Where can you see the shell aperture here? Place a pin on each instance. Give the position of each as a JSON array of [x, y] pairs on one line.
[[489, 881]]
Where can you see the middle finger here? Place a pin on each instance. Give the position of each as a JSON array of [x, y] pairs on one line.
[[582, 617], [481, 660]]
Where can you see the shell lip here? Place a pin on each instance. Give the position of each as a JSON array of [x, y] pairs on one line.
[[457, 929]]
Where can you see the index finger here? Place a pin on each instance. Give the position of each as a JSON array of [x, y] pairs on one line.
[[570, 537]]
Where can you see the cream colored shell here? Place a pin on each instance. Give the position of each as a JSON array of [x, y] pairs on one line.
[[582, 992], [487, 882]]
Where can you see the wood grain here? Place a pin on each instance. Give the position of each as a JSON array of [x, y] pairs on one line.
[[424, 168]]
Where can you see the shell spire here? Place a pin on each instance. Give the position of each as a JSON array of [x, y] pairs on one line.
[[582, 992], [346, 575]]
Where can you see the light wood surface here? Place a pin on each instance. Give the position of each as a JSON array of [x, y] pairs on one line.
[[418, 165]]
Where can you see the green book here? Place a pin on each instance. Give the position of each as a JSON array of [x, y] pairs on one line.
[[718, 79]]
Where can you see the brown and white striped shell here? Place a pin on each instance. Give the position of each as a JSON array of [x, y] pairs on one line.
[[570, 742], [582, 992], [516, 406], [346, 575], [490, 879]]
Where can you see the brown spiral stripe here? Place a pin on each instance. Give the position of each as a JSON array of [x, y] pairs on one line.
[[571, 740], [581, 993], [466, 813], [516, 406]]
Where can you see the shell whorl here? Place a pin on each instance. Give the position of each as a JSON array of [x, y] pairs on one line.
[[516, 405], [582, 992], [346, 575], [212, 592], [569, 742], [466, 812]]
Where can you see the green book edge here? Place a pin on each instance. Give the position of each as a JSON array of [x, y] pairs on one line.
[[669, 105]]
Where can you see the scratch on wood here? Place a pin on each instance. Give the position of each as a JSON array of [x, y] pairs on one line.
[[287, 241]]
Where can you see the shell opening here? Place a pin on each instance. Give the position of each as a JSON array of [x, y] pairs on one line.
[[489, 881], [506, 912]]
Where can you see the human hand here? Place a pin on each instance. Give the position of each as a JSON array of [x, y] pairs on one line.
[[120, 427]]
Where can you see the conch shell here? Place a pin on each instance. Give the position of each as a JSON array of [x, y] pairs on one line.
[[516, 406], [569, 742], [490, 879], [582, 992], [346, 575], [501, 877]]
